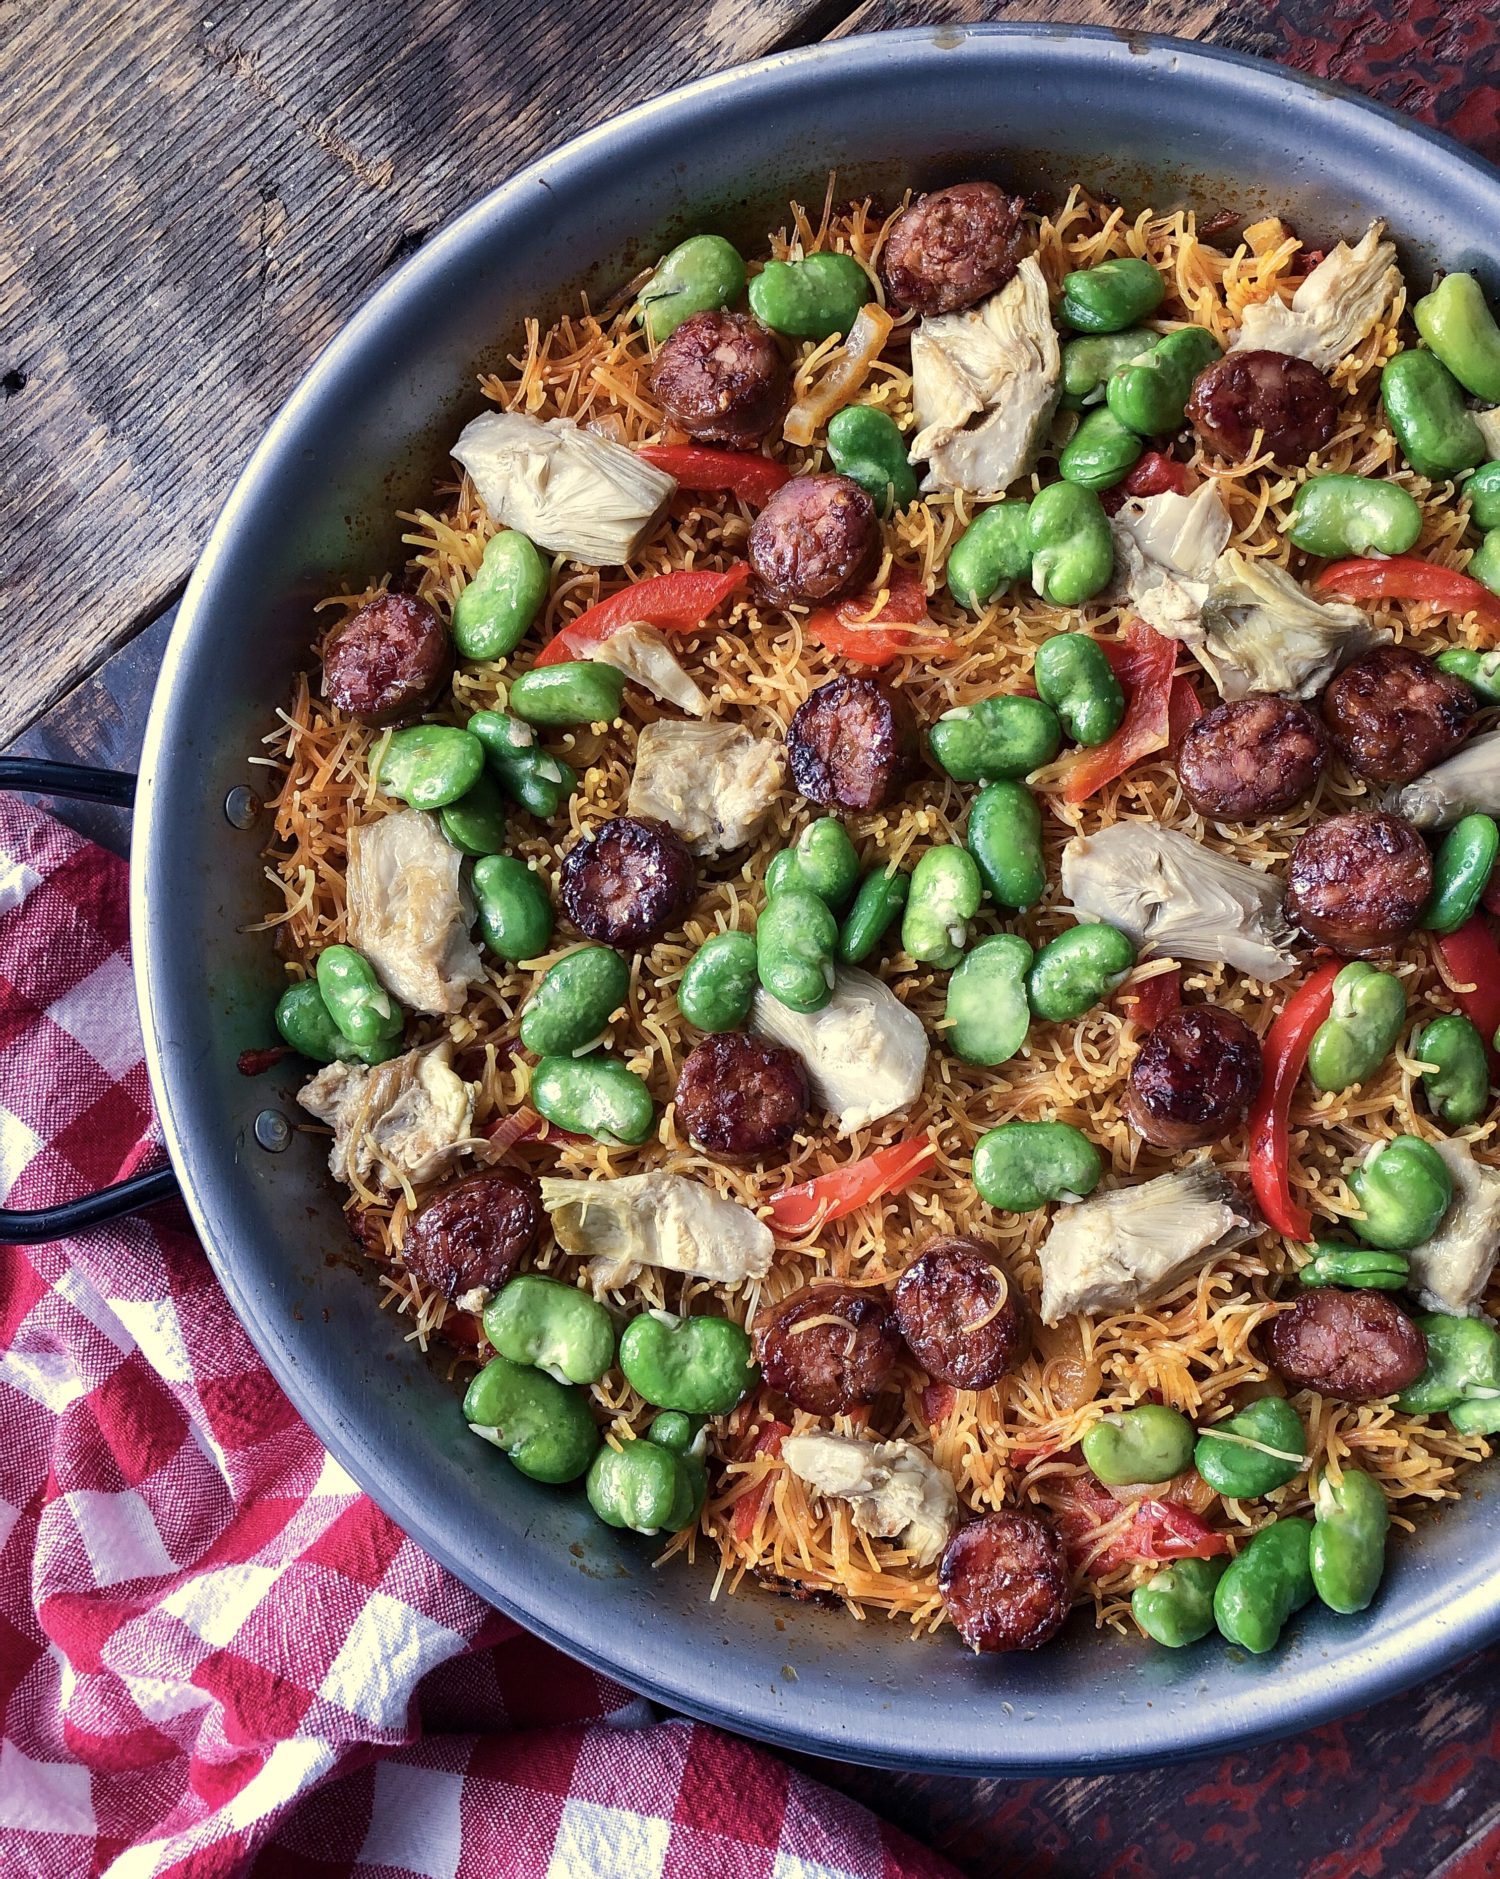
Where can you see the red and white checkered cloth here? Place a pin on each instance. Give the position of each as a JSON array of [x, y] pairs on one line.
[[216, 1655]]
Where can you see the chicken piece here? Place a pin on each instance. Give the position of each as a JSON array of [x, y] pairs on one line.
[[657, 1219], [1450, 1271], [1489, 428], [1166, 550], [639, 651], [997, 363], [893, 1489], [1261, 633], [1334, 308], [408, 1120], [1468, 784], [1174, 896], [571, 490], [713, 783], [865, 1053], [1122, 1245], [410, 913]]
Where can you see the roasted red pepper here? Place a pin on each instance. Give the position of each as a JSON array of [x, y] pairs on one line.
[[1149, 1002], [1155, 474], [830, 1196], [744, 473], [1183, 709], [1471, 959], [848, 629], [1284, 1053], [674, 603], [747, 1507], [1143, 663], [1405, 577]]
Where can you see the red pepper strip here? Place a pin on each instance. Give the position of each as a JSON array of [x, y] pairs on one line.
[[255, 1063], [1470, 957], [1183, 709], [1404, 577], [1490, 898], [1284, 1053], [747, 1507], [831, 1196], [1143, 663], [744, 473], [848, 629], [1160, 1529], [1151, 1000], [1154, 475], [937, 1403], [1163, 1530], [675, 603]]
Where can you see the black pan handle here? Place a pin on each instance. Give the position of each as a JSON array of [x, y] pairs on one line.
[[19, 1227]]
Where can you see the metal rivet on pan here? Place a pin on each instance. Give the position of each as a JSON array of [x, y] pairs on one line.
[[272, 1130], [241, 806]]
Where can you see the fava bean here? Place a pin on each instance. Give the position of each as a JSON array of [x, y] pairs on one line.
[[1424, 406], [943, 898], [475, 824], [1176, 1605], [307, 1025], [701, 1365], [1253, 1452], [1356, 1268], [882, 895], [1078, 969], [1457, 1086], [1347, 1553], [1023, 1165], [987, 1016], [644, 1486], [531, 776], [1478, 1415], [553, 1327], [1002, 736], [1484, 563], [822, 861], [495, 611], [1148, 1443], [993, 551], [1088, 363], [1111, 296], [718, 986], [1072, 551], [569, 1010], [577, 691], [1404, 1189], [1349, 1046], [1074, 677], [1099, 452], [1005, 838], [1483, 492], [865, 443], [1354, 515], [544, 1427], [515, 914], [795, 940], [1262, 1588], [593, 1096], [701, 273], [673, 1430], [429, 765], [1479, 669], [813, 298], [1150, 397], [1461, 871], [355, 999], [1463, 1364], [1458, 325]]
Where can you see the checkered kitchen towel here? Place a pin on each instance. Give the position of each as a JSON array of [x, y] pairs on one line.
[[216, 1655]]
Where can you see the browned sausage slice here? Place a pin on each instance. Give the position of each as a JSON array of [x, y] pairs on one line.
[[721, 378], [1252, 758], [959, 1316], [1194, 1080], [742, 1099], [474, 1232], [629, 883], [1359, 883], [1004, 1581], [1287, 400], [852, 744], [387, 661], [1352, 1345], [952, 248], [816, 538], [1393, 714], [828, 1348]]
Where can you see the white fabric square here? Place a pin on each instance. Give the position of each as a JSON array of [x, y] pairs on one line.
[[608, 1841], [44, 1797], [18, 1149], [119, 1536], [215, 1604], [81, 1295], [389, 1646], [333, 1478], [789, 1866], [17, 881], [152, 1322], [415, 1820], [161, 1699], [99, 1014], [293, 1767], [47, 1377]]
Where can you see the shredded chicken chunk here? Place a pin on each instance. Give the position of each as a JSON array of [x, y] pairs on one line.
[[409, 912], [1334, 308], [657, 1219], [1261, 633], [714, 783], [642, 654], [1166, 550], [1467, 784], [893, 1490], [407, 1120], [1450, 1271], [864, 1051]]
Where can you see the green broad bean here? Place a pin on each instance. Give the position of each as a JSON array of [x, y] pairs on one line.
[[1354, 515], [1176, 1605], [1262, 1588], [1356, 1268], [430, 765], [865, 443], [1074, 677], [1150, 397], [1022, 1165], [795, 940], [1457, 1086], [943, 898], [813, 298], [1253, 1452], [701, 273], [643, 1486], [1111, 296], [1072, 551], [1483, 492], [1463, 1363], [551, 1326], [515, 913], [1478, 1415], [1457, 323], [542, 1425], [496, 610], [822, 861], [996, 738], [993, 551], [593, 1096], [1347, 1552], [1484, 563], [987, 1016], [1424, 406], [1100, 451], [1479, 669], [1005, 838], [568, 1012], [1089, 362], [718, 986], [1349, 1046], [306, 1023], [577, 691], [1148, 1443], [529, 775], [475, 824], [357, 1002], [1077, 970], [1461, 869], [1404, 1189], [882, 894], [673, 1430], [700, 1365]]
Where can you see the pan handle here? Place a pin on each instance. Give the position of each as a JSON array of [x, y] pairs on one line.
[[19, 1227]]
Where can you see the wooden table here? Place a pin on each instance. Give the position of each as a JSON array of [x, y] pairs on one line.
[[192, 199]]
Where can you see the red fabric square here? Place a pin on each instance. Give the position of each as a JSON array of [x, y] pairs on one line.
[[245, 1409], [360, 1544], [542, 1761], [720, 1772], [18, 1652], [93, 1141], [217, 1783], [21, 1285], [138, 1418], [691, 1855], [259, 1705], [115, 1752]]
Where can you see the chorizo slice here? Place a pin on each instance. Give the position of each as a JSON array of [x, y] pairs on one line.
[[958, 1314], [817, 538], [952, 248], [828, 1348], [1286, 399], [1359, 883], [852, 744], [1004, 1581], [722, 379], [629, 883], [473, 1233], [387, 661], [1251, 758], [1355, 1346], [1194, 1078], [1392, 714], [742, 1099]]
